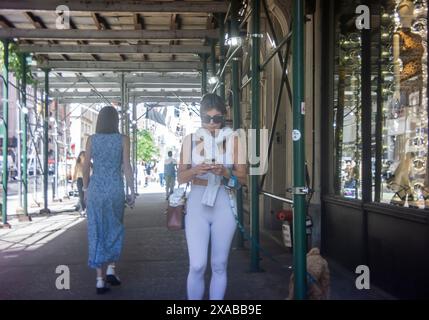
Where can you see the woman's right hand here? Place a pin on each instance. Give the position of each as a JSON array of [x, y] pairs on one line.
[[201, 169]]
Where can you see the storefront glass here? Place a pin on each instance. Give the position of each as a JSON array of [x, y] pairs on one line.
[[347, 102], [400, 157], [404, 139]]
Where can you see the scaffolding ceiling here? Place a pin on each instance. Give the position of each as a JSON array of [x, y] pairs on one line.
[[157, 45]]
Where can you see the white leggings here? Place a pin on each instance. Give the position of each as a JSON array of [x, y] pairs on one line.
[[201, 223]]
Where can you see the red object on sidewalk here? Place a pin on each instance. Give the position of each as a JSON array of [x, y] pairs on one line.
[[285, 215]]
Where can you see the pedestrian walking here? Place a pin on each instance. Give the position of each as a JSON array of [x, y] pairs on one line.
[[105, 196], [78, 178], [170, 168], [209, 216]]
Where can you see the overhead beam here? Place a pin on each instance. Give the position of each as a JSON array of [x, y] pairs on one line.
[[5, 23], [82, 42], [139, 24], [119, 65], [39, 24], [102, 24], [180, 94], [35, 21], [125, 49], [138, 100], [164, 86], [130, 85], [174, 25], [117, 6], [128, 79], [74, 34]]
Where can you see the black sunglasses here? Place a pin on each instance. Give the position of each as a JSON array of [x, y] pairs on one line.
[[216, 119]]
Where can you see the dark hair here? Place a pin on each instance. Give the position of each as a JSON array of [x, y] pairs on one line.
[[78, 157], [170, 154], [212, 101], [107, 121]]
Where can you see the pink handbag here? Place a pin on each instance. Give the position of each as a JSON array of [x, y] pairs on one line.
[[176, 217]]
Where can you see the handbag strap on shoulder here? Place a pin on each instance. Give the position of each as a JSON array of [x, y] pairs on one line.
[[187, 184]]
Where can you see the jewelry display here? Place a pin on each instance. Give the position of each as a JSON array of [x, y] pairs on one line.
[[405, 104]]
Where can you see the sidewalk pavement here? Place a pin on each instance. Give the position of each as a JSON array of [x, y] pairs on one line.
[[154, 263]]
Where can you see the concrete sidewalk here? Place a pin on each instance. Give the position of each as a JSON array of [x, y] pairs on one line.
[[154, 263]]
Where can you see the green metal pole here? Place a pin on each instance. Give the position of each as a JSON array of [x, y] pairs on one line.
[[127, 122], [122, 103], [204, 75], [213, 56], [55, 140], [24, 122], [46, 145], [235, 86], [5, 129], [254, 204], [299, 214], [221, 88], [135, 143]]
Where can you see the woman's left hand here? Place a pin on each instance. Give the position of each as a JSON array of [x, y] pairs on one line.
[[130, 200]]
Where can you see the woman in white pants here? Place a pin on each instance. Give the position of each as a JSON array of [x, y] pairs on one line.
[[213, 161]]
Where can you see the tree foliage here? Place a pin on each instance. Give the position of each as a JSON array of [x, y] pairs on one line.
[[146, 148], [15, 62]]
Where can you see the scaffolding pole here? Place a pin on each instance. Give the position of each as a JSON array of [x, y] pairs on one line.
[[213, 56], [34, 140], [18, 146], [135, 144], [122, 103], [127, 126], [55, 140], [235, 86], [45, 146], [204, 75], [254, 204], [66, 196], [5, 177], [299, 194], [24, 129], [221, 17]]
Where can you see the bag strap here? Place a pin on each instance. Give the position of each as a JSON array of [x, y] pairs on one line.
[[187, 184]]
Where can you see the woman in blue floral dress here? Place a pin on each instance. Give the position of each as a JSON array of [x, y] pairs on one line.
[[105, 197]]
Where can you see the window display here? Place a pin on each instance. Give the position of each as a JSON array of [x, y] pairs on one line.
[[347, 104], [405, 105], [399, 135]]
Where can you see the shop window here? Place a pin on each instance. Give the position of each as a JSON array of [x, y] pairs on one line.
[[404, 106], [347, 102], [399, 135]]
